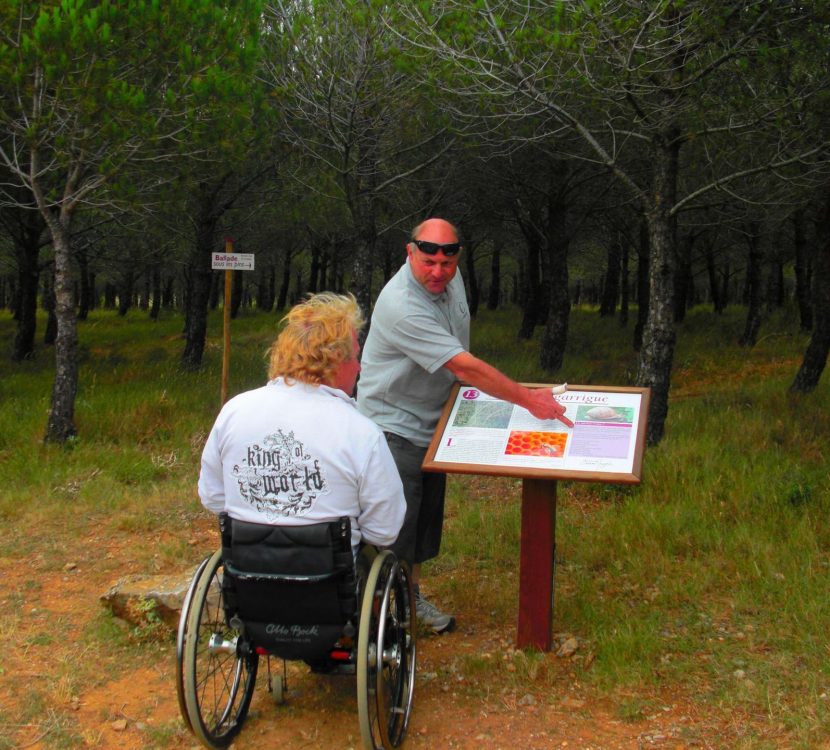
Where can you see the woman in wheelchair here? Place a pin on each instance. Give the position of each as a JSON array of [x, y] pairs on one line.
[[296, 451], [300, 480]]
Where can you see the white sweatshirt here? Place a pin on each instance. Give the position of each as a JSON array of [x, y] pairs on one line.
[[300, 454]]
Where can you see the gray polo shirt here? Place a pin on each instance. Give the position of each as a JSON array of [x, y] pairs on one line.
[[403, 384]]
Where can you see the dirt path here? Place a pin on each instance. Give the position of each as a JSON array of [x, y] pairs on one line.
[[59, 689]]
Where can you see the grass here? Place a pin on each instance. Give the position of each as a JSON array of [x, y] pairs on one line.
[[718, 564], [708, 580]]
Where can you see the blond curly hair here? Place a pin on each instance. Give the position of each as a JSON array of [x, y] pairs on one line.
[[316, 338]]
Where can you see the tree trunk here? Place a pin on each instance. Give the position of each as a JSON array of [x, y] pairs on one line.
[[530, 287], [155, 307], [84, 297], [61, 423], [555, 337], [238, 285], [109, 296], [125, 292], [363, 260], [28, 274], [683, 279], [336, 280], [12, 297], [360, 201], [545, 280], [314, 271], [753, 290], [473, 292], [265, 288], [802, 272], [642, 286], [26, 229], [144, 302], [272, 287], [815, 356], [285, 282], [494, 292], [712, 274], [51, 332], [726, 275], [93, 300], [389, 254], [217, 285], [611, 287], [198, 293], [326, 280], [167, 296], [362, 266], [775, 275], [624, 282], [657, 352], [299, 291]]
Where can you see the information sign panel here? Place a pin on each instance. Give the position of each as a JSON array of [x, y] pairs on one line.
[[479, 434], [232, 261]]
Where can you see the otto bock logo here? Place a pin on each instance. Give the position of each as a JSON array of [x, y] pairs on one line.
[[292, 632], [470, 394]]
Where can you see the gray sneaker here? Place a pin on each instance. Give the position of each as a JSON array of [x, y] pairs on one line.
[[432, 617]]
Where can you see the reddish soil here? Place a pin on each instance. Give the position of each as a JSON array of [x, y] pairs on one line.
[[56, 690]]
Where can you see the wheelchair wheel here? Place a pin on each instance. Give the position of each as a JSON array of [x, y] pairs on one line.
[[180, 639], [386, 654], [219, 671]]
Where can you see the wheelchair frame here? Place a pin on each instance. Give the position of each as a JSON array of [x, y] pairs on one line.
[[217, 663]]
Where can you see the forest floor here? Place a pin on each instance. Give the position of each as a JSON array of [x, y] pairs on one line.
[[59, 688]]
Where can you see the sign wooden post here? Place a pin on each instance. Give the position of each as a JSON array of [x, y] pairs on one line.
[[230, 262], [479, 434], [226, 326], [537, 563]]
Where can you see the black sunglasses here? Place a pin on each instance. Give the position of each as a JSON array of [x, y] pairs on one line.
[[430, 248]]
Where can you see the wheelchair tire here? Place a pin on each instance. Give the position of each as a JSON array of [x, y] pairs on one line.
[[386, 654], [180, 639], [219, 675]]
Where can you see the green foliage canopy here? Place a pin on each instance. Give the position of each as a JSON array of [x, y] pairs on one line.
[[92, 86]]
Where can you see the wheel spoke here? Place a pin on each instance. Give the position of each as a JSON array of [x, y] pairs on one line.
[[219, 679]]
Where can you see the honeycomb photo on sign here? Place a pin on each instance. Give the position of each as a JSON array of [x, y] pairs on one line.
[[527, 443]]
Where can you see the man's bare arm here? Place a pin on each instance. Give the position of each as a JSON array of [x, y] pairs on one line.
[[538, 401]]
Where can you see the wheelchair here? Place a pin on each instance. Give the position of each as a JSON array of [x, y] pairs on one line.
[[297, 594]]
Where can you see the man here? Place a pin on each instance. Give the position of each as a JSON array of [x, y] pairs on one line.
[[296, 451], [418, 346]]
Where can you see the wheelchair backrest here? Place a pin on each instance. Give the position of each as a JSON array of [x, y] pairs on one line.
[[293, 587]]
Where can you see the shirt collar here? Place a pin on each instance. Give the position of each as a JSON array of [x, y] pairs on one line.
[[309, 388]]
